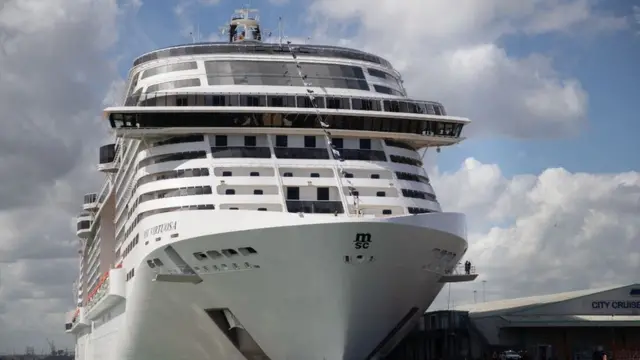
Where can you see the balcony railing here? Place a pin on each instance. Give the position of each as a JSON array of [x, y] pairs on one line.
[[109, 290], [99, 291], [459, 274], [460, 270], [315, 207], [240, 152], [375, 104]]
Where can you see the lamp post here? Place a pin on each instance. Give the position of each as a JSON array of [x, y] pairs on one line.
[[484, 298]]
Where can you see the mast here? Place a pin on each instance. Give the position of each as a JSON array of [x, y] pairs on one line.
[[280, 31], [244, 27]]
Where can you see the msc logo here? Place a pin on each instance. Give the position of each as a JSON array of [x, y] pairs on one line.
[[362, 241]]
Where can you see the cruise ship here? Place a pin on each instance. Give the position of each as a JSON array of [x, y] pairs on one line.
[[263, 200]]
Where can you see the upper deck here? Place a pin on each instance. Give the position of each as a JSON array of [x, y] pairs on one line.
[[257, 48]]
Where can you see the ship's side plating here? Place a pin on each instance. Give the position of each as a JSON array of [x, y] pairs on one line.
[[229, 228]]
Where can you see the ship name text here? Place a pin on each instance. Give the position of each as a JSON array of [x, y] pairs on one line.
[[159, 229]]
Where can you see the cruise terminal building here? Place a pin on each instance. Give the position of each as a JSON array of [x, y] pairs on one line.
[[564, 326]]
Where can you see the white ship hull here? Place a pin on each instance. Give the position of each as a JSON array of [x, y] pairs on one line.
[[304, 302], [190, 250]]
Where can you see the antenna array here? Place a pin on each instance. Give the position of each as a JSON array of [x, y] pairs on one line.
[[335, 153]]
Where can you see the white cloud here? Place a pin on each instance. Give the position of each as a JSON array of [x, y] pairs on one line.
[[185, 10], [133, 4], [565, 15], [555, 231], [451, 51], [55, 74], [530, 233]]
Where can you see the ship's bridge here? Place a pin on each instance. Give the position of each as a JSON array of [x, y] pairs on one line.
[[244, 28], [246, 63]]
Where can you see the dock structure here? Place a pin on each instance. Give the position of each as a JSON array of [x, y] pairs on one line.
[[574, 325], [459, 274]]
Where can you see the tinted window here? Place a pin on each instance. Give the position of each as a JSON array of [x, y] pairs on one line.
[[281, 140], [133, 99], [107, 153], [221, 140], [300, 121], [284, 74], [253, 100], [170, 99], [169, 68], [323, 194], [134, 82], [305, 102], [387, 90], [249, 141], [337, 103], [365, 104], [169, 85], [281, 101], [309, 141], [293, 193]]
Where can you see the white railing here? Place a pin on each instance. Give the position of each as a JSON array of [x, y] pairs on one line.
[[99, 292], [460, 270]]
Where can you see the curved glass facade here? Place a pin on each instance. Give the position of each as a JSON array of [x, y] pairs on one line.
[[192, 65], [169, 85], [290, 101], [262, 48], [429, 127], [281, 73]]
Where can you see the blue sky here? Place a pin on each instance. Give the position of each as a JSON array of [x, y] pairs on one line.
[[459, 47], [605, 65], [608, 70]]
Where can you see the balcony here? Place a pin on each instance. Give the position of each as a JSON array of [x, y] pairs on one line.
[[107, 161], [108, 292], [77, 320], [315, 207], [458, 274], [90, 202], [83, 226]]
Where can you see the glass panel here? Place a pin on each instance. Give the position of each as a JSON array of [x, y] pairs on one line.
[[241, 152], [169, 68], [169, 85], [134, 82], [315, 207], [387, 90], [272, 73], [301, 153], [302, 121]]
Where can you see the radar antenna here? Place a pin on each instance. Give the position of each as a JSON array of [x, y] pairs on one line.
[[245, 12], [243, 26]]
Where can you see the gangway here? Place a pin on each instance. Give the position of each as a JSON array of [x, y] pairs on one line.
[[458, 274]]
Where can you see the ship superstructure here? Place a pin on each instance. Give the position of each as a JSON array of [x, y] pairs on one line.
[[263, 201]]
